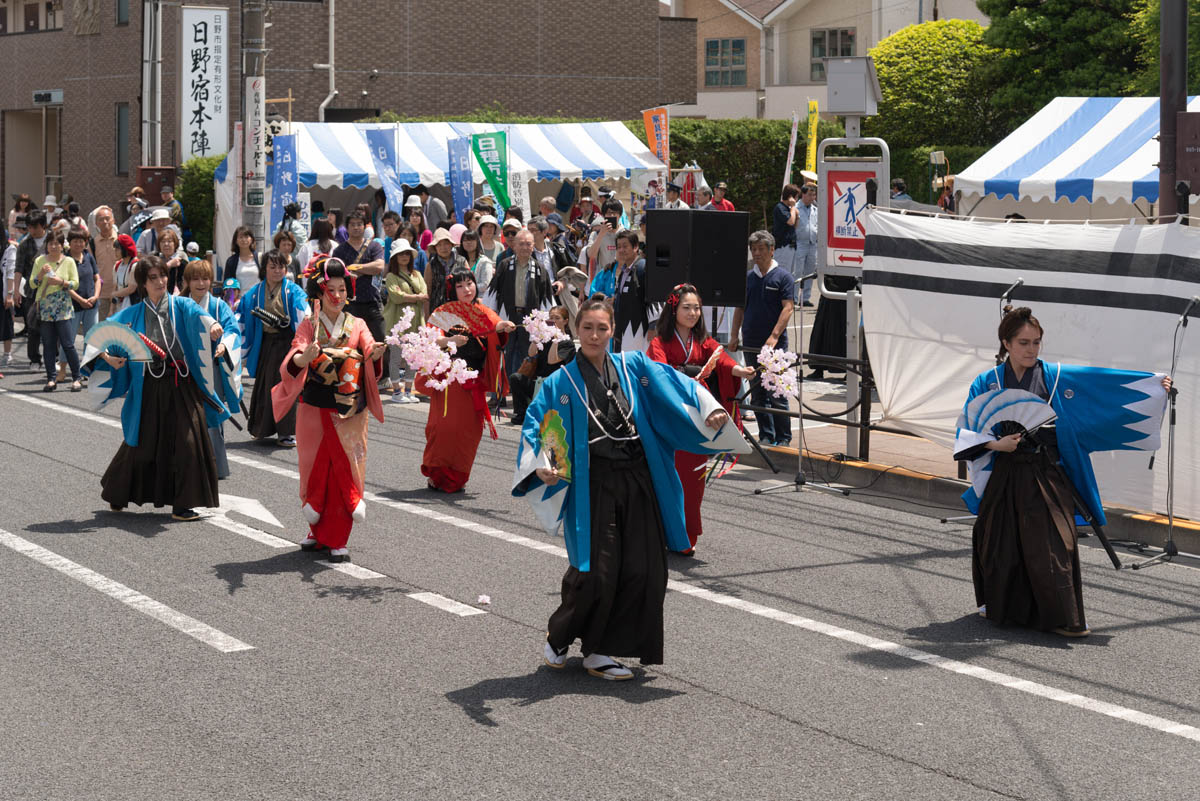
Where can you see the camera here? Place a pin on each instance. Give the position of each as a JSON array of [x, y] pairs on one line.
[[615, 222]]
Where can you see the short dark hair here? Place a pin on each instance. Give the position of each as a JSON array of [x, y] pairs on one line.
[[36, 218], [393, 216], [55, 236], [141, 270], [516, 212], [355, 215], [789, 191], [899, 185], [629, 236], [275, 255], [612, 204], [78, 233], [281, 235]]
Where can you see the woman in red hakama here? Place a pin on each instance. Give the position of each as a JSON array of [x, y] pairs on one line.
[[682, 341], [458, 413], [333, 368]]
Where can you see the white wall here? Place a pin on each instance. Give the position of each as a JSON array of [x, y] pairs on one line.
[[723, 105]]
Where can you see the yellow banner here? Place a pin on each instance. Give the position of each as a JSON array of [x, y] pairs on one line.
[[810, 161]]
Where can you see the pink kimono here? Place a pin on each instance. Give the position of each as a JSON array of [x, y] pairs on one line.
[[334, 393]]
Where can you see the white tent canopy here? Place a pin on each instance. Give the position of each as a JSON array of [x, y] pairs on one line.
[[1077, 158]]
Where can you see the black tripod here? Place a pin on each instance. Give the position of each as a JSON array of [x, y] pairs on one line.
[[1170, 550], [800, 481]]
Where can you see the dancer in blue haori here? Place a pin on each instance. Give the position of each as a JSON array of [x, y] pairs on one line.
[[597, 455], [1028, 429]]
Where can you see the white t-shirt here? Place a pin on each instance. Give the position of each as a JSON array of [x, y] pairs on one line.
[[247, 274]]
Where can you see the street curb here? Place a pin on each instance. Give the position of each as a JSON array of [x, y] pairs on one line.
[[1123, 523]]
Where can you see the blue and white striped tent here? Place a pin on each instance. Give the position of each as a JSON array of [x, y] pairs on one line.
[[1076, 148], [335, 155]]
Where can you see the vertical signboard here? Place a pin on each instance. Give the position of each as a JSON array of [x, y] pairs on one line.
[[285, 186], [845, 234], [491, 151], [254, 147], [203, 81]]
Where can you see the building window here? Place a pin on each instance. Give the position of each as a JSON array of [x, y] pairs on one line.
[[54, 15], [724, 62], [831, 43], [122, 12], [122, 139]]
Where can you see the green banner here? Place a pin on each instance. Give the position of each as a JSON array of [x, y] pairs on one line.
[[491, 151]]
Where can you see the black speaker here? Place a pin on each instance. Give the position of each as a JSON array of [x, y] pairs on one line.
[[705, 248]]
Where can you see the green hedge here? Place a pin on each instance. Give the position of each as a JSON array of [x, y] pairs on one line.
[[749, 155], [194, 188]]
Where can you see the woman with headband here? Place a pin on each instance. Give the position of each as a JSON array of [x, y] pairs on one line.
[[333, 368]]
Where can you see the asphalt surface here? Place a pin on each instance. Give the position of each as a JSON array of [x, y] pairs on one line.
[[818, 647]]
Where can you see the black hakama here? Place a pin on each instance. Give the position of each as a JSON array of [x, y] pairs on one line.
[[1025, 560], [616, 608], [172, 464], [262, 422]]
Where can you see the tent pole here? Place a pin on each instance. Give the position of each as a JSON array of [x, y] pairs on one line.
[[1172, 72]]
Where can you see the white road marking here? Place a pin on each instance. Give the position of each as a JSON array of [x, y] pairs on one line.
[[270, 540], [130, 597], [444, 603], [846, 635]]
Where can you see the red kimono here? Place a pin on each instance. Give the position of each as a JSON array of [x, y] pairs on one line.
[[458, 413], [724, 387], [331, 431]]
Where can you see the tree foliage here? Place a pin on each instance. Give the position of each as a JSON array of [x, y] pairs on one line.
[[1057, 48], [194, 187], [1145, 29], [934, 85]]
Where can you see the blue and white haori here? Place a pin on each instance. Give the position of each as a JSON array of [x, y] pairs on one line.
[[669, 411], [1098, 409], [227, 380], [294, 300], [192, 325]]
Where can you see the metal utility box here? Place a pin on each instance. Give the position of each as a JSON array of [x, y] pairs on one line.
[[853, 86]]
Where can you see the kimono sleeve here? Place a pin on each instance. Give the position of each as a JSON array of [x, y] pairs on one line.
[[678, 407], [1111, 410], [970, 446], [545, 442]]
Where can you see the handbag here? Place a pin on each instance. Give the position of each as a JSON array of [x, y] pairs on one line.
[[528, 367]]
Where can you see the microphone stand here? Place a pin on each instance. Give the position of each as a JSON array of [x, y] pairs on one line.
[[1170, 550], [800, 481]]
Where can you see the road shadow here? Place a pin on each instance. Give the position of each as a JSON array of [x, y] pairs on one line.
[[427, 497], [298, 562], [99, 519], [371, 593], [547, 683]]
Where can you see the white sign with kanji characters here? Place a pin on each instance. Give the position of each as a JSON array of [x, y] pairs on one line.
[[203, 81]]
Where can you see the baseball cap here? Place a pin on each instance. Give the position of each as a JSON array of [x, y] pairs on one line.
[[511, 222]]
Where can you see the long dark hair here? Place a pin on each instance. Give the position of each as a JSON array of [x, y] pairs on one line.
[[243, 229], [322, 234], [666, 320], [1012, 323]]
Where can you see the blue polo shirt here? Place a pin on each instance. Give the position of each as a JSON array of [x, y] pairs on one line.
[[765, 295]]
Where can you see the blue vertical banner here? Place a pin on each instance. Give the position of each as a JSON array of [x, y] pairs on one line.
[[462, 188], [284, 184], [382, 144]]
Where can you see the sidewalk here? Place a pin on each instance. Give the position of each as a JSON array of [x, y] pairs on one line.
[[916, 469]]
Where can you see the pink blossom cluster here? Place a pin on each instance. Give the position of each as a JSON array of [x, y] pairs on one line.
[[420, 350], [541, 330], [779, 373]]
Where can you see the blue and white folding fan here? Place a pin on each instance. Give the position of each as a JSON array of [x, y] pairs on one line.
[[1001, 412], [116, 339]]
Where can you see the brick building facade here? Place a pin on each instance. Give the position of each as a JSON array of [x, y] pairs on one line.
[[412, 56]]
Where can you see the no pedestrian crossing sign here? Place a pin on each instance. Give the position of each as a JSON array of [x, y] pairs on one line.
[[845, 199]]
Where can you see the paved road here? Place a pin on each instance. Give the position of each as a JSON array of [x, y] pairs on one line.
[[819, 647]]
